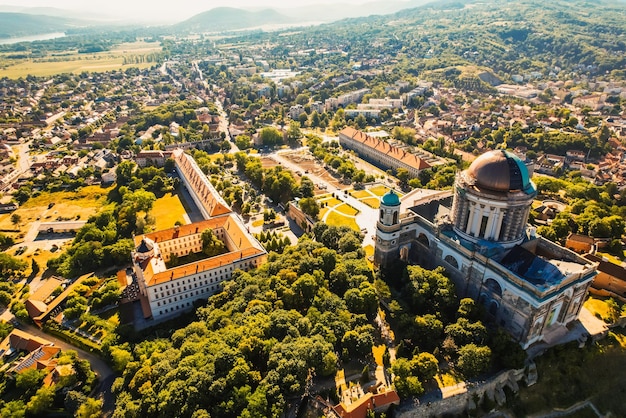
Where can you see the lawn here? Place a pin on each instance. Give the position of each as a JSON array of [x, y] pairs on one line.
[[445, 379], [372, 202], [329, 201], [377, 352], [360, 194], [613, 259], [167, 211], [347, 210], [76, 63], [379, 190], [337, 219]]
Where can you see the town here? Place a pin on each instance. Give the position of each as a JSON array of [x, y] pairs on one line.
[[285, 221]]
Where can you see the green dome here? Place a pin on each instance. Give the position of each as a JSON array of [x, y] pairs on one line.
[[391, 199]]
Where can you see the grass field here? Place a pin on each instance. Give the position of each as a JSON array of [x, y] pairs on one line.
[[611, 258], [360, 194], [167, 210], [372, 202], [347, 210], [338, 219], [76, 63], [568, 374], [380, 190], [329, 201]]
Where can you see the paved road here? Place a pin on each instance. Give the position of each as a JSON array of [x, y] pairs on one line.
[[105, 373]]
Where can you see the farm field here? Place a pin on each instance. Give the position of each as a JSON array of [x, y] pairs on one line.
[[76, 63]]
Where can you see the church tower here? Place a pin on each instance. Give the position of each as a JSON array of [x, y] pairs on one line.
[[387, 227]]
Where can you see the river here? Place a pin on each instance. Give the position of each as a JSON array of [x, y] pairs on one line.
[[31, 38]]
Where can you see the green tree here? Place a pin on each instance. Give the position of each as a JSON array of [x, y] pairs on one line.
[[211, 244], [270, 136], [425, 366], [29, 380], [91, 408], [41, 401], [124, 172], [293, 132], [473, 360], [16, 219], [307, 187], [309, 206]]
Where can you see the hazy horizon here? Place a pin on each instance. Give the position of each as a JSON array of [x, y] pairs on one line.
[[163, 11]]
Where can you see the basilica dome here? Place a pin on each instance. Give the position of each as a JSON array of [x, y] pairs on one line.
[[499, 171]]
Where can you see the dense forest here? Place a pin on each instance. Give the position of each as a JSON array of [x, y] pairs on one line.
[[258, 346]]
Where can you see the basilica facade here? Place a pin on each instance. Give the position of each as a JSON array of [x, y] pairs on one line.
[[479, 233]]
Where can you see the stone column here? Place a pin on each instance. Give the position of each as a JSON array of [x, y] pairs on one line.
[[470, 221]]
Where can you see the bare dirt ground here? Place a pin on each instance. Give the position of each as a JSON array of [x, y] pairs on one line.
[[309, 164]]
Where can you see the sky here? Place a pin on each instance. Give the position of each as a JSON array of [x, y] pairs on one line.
[[170, 10]]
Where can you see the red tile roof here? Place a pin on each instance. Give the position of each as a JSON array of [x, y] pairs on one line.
[[398, 154]]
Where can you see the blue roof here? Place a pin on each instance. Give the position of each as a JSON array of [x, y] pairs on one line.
[[391, 199]]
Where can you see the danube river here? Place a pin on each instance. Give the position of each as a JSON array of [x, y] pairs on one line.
[[31, 38]]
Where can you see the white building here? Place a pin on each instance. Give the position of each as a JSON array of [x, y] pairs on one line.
[[530, 286]]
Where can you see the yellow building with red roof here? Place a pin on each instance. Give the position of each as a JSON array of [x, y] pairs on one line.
[[384, 154]]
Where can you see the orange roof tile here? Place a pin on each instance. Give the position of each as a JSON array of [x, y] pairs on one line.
[[398, 154], [211, 200], [369, 401], [244, 247]]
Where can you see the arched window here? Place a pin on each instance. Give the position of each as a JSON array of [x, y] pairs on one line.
[[422, 239], [382, 213], [452, 261], [494, 287], [395, 216]]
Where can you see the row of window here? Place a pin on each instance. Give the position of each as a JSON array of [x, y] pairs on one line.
[[176, 298]]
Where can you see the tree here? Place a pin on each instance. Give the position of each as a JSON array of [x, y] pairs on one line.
[[309, 206], [10, 266], [403, 175], [6, 241], [16, 219], [473, 360], [270, 136], [243, 142], [307, 187], [124, 172], [425, 366], [91, 408], [41, 401], [293, 132], [29, 379], [211, 244]]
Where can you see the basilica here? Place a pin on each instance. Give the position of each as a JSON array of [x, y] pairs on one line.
[[479, 233]]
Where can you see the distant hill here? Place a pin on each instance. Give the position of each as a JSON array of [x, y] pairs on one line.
[[22, 24], [228, 18], [336, 11]]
